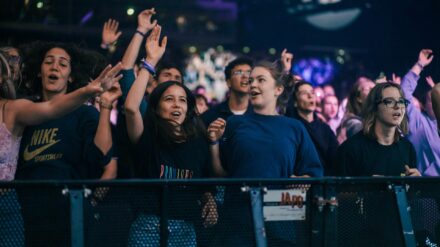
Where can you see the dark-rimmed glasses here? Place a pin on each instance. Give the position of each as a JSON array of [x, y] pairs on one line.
[[392, 103]]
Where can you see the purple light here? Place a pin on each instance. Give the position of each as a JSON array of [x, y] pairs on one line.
[[87, 17], [228, 9], [317, 71]]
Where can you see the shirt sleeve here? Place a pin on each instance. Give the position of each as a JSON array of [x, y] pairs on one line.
[[126, 83], [409, 84], [307, 162]]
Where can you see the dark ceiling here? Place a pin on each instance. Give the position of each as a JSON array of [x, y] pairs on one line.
[[387, 33]]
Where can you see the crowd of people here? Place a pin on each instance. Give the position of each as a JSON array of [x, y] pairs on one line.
[[56, 123]]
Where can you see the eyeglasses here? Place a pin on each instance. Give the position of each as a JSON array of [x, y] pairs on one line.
[[241, 72], [392, 103]]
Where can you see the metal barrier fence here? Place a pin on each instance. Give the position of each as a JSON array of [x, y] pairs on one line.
[[288, 212]]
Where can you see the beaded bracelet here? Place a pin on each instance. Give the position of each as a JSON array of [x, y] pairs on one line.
[[146, 65]]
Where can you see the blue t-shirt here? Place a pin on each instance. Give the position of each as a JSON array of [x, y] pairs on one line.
[[261, 146]]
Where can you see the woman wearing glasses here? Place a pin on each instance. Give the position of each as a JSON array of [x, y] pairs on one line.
[[380, 148]]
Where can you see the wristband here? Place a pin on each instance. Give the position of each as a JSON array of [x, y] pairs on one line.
[[420, 65], [212, 143], [141, 33], [150, 68]]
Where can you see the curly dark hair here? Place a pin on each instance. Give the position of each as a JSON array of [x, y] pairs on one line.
[[34, 53], [163, 132]]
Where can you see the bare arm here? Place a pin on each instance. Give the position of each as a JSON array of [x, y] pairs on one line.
[[154, 50], [103, 137], [144, 25], [110, 170], [30, 113]]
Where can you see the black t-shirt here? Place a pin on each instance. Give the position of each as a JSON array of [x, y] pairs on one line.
[[363, 156], [186, 160], [63, 148]]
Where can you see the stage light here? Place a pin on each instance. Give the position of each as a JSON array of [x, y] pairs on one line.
[[192, 49], [246, 49], [181, 20], [334, 20], [220, 48], [340, 60], [272, 51], [130, 11], [40, 5], [341, 52]]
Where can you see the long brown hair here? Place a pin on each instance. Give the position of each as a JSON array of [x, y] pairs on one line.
[[163, 132], [371, 107]]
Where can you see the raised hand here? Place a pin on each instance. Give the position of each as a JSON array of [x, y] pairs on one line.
[[144, 20], [106, 79], [425, 57], [110, 33], [216, 129], [430, 81], [153, 49], [397, 79], [286, 60], [112, 94], [412, 172]]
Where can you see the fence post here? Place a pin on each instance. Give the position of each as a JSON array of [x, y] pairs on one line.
[[316, 215], [405, 218], [164, 217], [76, 216], [257, 215], [331, 216]]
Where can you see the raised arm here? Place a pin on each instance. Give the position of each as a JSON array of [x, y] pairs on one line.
[[409, 82], [286, 61], [154, 51], [26, 112], [144, 26], [103, 137]]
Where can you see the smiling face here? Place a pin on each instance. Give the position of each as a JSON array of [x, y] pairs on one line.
[[264, 91], [55, 71], [390, 115], [173, 104]]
